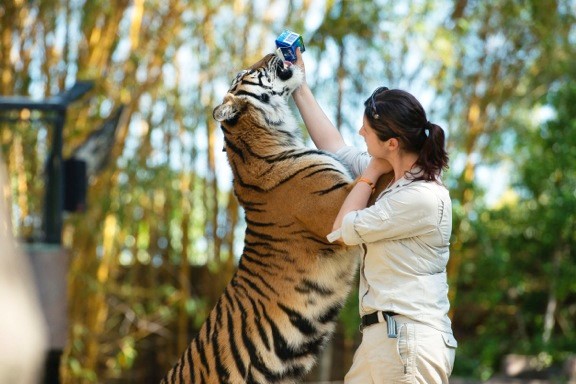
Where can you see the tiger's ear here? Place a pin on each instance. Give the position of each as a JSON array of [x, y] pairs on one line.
[[229, 109]]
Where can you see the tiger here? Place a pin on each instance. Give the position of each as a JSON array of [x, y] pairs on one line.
[[282, 304]]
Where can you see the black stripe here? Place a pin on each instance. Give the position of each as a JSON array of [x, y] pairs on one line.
[[262, 280], [304, 325], [273, 250], [229, 144], [264, 236], [328, 252], [328, 169], [271, 122], [249, 342], [256, 359], [190, 362], [319, 289], [251, 203], [298, 172], [332, 188], [256, 252], [218, 309], [265, 314], [285, 154], [231, 299], [295, 153], [250, 206], [234, 348], [221, 370], [251, 94], [331, 314], [249, 209], [251, 379], [259, 278], [286, 352], [208, 327], [259, 84], [309, 286], [316, 239], [269, 266], [254, 287], [246, 258], [199, 347], [259, 224], [242, 183], [177, 369], [259, 321]]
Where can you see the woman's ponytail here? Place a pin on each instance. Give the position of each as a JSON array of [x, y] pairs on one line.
[[432, 157]]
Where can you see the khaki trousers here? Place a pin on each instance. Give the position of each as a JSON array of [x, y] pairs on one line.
[[420, 354]]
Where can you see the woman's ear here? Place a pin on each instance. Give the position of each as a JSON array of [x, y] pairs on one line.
[[393, 143]]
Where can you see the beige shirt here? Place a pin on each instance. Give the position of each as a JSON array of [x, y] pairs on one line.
[[405, 236]]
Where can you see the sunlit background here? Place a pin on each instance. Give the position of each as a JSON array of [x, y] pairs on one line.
[[162, 231]]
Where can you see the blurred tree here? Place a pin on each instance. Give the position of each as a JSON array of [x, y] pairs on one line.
[[496, 60], [159, 239], [521, 284], [548, 189]]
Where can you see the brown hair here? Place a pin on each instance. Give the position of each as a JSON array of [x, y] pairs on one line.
[[394, 113]]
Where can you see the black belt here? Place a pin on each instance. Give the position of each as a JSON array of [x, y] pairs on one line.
[[372, 318]]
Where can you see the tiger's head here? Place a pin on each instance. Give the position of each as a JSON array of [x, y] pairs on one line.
[[265, 86]]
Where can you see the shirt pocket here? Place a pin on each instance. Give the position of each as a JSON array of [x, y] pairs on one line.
[[449, 340], [383, 209]]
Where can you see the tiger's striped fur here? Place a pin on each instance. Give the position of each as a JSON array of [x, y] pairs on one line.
[[281, 306]]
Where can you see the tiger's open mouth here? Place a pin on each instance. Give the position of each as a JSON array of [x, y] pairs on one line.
[[280, 57], [284, 68]]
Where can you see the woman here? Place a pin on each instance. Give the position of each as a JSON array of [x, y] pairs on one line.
[[407, 335]]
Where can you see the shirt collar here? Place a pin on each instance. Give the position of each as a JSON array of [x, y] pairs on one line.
[[406, 179]]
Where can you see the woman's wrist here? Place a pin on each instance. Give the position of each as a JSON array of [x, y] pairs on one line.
[[368, 182], [372, 177], [301, 90]]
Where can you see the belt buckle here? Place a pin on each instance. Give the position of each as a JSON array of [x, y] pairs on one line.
[[391, 326]]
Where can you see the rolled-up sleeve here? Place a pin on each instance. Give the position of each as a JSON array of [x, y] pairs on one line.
[[348, 229], [406, 214], [355, 159]]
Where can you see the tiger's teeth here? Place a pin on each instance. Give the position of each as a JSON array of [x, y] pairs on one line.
[[280, 54]]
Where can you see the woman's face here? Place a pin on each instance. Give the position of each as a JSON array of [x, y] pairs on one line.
[[374, 145]]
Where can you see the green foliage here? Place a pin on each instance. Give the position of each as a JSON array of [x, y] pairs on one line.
[[517, 293]]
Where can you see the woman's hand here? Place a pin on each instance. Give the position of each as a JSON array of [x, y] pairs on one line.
[[300, 63], [376, 168]]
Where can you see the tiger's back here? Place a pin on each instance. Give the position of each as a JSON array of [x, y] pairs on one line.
[[282, 304]]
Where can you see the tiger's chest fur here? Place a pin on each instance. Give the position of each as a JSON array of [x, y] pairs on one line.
[[282, 304]]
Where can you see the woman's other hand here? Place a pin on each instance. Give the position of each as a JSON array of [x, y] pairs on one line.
[[376, 168]]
